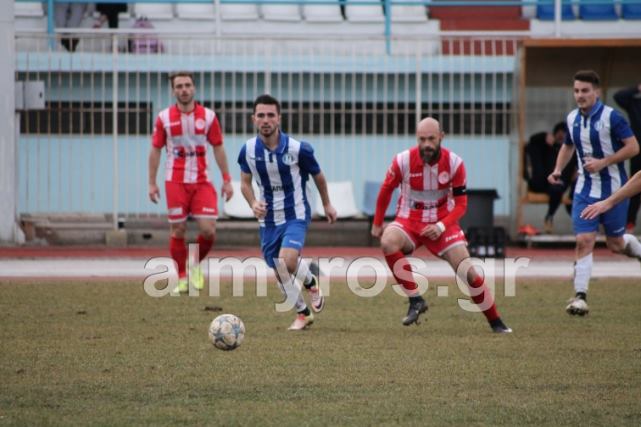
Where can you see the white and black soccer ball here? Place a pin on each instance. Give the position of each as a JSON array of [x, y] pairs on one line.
[[227, 332]]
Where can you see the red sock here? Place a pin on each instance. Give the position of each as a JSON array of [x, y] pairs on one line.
[[204, 246], [484, 297], [178, 252], [399, 264]]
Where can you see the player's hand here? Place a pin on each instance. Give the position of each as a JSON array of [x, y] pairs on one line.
[[259, 208], [594, 165], [592, 211], [555, 178], [227, 190], [432, 232], [377, 231], [330, 213], [154, 193]]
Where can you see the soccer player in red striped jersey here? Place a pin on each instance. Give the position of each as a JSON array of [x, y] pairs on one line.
[[185, 130], [432, 200]]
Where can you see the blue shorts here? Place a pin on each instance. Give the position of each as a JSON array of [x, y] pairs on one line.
[[613, 220], [288, 235]]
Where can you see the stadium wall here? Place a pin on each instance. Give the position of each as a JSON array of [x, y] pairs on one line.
[[9, 232]]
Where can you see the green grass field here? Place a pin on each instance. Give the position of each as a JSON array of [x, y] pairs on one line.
[[101, 353]]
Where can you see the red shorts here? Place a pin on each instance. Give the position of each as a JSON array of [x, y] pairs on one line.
[[452, 236], [198, 200]]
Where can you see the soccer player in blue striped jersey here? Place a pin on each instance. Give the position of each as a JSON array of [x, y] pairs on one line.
[[603, 141], [282, 166]]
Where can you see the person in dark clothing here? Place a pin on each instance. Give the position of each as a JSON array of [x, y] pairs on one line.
[[630, 100], [109, 13], [540, 158]]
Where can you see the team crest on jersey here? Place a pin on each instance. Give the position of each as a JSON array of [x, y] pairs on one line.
[[443, 177], [288, 159], [200, 124], [598, 125]]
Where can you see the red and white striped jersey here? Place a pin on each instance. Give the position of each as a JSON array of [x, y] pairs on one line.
[[186, 136], [427, 191]]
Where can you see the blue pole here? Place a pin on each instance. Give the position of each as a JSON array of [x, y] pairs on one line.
[[50, 28], [388, 27]]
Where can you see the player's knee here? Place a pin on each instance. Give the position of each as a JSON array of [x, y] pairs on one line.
[[616, 245], [389, 245], [289, 262], [584, 243], [178, 230], [208, 233]]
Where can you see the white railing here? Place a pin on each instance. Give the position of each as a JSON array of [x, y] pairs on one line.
[[356, 104]]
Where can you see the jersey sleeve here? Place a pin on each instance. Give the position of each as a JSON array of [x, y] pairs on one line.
[[460, 178], [568, 133], [459, 191], [393, 178], [619, 126], [306, 159], [159, 137], [215, 135], [242, 160]]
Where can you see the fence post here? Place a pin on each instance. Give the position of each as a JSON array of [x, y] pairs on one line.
[[557, 18], [114, 130], [50, 28], [388, 27]]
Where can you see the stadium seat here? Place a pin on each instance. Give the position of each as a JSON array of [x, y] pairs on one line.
[[281, 12], [238, 12], [545, 11], [237, 206], [196, 11], [370, 193], [597, 10], [28, 10], [342, 196], [163, 11], [364, 13], [630, 11], [322, 13], [409, 13]]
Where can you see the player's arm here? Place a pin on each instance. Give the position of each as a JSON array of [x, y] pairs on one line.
[[392, 180], [321, 184], [215, 138], [565, 155], [221, 160], [620, 131], [629, 150], [158, 140], [258, 207], [307, 162], [459, 193], [632, 187]]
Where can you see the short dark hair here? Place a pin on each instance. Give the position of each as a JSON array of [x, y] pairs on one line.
[[588, 76], [173, 76], [560, 126], [267, 100]]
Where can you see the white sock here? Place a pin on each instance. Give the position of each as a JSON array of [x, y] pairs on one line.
[[292, 293], [582, 273], [303, 272], [631, 247]]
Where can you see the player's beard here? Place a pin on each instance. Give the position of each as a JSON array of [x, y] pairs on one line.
[[428, 154], [185, 100], [266, 132]]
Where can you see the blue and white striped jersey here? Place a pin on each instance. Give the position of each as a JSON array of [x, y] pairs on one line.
[[282, 177], [599, 134]]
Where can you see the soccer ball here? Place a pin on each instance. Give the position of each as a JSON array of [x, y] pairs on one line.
[[226, 332]]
